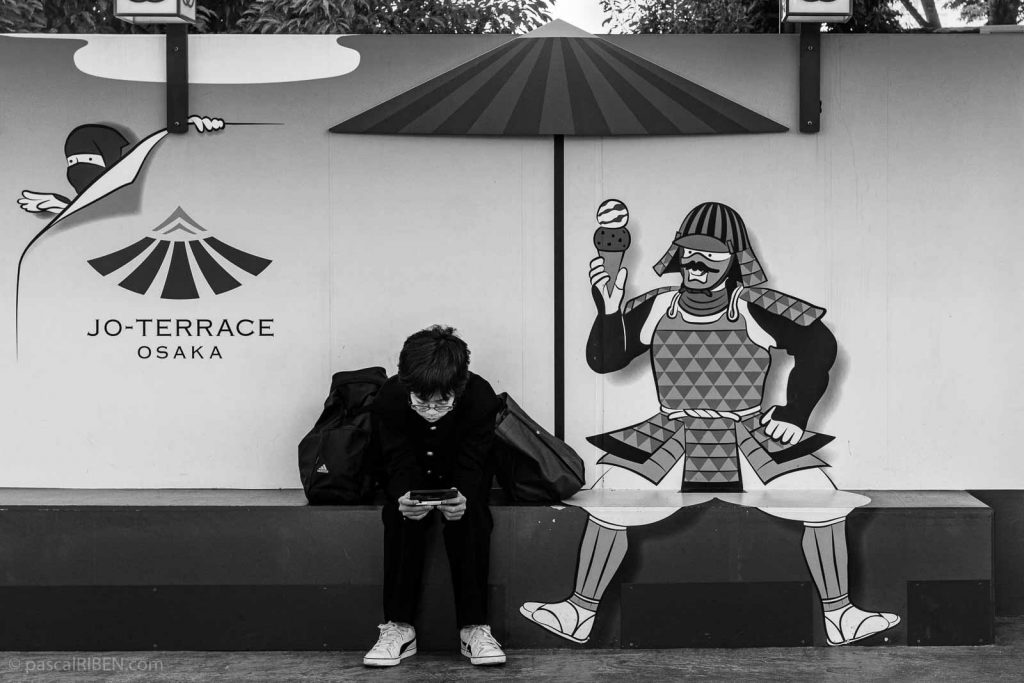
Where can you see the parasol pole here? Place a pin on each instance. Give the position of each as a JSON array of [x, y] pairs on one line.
[[559, 188]]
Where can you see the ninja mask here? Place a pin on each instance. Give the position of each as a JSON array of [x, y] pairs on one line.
[[90, 150]]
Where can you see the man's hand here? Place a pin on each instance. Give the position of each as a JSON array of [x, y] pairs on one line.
[[38, 202], [205, 123], [410, 510], [599, 277], [454, 510], [778, 430]]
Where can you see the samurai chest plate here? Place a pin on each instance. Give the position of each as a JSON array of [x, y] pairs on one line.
[[713, 366]]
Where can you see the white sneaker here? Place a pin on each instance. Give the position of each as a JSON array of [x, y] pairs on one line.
[[396, 642], [480, 646]]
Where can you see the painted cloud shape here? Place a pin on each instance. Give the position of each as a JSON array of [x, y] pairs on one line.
[[213, 59]]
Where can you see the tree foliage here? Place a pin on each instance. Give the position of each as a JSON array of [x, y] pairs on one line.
[[395, 16], [21, 15], [871, 16], [83, 16], [732, 16], [289, 16], [675, 16], [992, 11]]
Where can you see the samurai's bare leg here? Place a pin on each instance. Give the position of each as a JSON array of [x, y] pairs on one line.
[[824, 547], [602, 550], [825, 550]]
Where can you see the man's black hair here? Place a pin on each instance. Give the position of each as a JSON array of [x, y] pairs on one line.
[[434, 360]]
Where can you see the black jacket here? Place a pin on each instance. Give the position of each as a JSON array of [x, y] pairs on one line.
[[454, 451]]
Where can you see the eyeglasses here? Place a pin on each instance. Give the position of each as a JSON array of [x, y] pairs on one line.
[[427, 407]]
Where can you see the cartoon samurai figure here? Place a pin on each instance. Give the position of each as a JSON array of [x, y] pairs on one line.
[[709, 342]]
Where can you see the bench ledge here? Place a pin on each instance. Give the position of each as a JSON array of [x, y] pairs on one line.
[[39, 497]]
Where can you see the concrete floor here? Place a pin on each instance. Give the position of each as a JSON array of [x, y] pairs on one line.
[[1003, 661]]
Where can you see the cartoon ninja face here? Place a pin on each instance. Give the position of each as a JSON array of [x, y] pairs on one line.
[[90, 151], [704, 261], [83, 171]]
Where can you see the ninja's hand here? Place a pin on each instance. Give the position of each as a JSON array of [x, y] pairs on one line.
[[38, 202], [599, 278], [205, 123], [778, 430]]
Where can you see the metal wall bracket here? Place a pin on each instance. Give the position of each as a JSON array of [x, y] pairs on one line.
[[810, 78], [177, 78]]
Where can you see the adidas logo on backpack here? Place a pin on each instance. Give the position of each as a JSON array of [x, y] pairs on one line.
[[337, 457]]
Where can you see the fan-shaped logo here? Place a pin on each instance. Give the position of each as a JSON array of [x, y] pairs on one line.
[[174, 262]]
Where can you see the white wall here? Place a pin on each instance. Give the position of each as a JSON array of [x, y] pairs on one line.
[[900, 218], [371, 239]]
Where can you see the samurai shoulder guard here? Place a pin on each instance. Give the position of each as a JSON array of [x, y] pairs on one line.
[[785, 305]]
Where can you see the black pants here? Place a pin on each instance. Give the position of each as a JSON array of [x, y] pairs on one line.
[[468, 544]]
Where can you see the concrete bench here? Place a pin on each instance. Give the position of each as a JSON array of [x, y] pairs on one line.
[[261, 570]]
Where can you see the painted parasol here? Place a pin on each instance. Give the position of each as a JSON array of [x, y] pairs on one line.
[[558, 80]]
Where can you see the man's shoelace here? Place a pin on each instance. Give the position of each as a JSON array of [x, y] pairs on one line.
[[390, 635], [482, 636]]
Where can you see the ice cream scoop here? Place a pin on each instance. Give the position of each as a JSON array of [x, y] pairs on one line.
[[611, 239]]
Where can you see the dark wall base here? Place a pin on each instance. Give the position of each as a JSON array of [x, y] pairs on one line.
[[949, 613], [671, 615], [1008, 544], [100, 618], [290, 577]]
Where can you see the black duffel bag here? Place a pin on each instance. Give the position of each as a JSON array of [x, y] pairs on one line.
[[532, 466], [339, 459]]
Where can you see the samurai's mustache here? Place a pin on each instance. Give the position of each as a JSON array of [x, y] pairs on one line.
[[697, 265]]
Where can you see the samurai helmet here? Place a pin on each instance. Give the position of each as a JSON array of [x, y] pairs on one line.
[[712, 221]]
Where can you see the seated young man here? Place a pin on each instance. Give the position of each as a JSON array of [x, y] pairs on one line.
[[435, 420]]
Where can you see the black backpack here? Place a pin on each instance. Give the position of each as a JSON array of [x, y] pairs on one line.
[[339, 461], [531, 465]]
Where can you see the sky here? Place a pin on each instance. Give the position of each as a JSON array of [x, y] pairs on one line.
[[587, 15]]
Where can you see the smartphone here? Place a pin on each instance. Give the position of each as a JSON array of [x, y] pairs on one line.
[[433, 496]]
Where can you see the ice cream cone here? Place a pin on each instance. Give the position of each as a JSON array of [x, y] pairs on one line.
[[612, 264], [611, 239]]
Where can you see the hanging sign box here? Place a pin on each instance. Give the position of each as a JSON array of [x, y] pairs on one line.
[[156, 11], [817, 11]]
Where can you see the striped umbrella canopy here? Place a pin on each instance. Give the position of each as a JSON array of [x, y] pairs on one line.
[[558, 80]]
